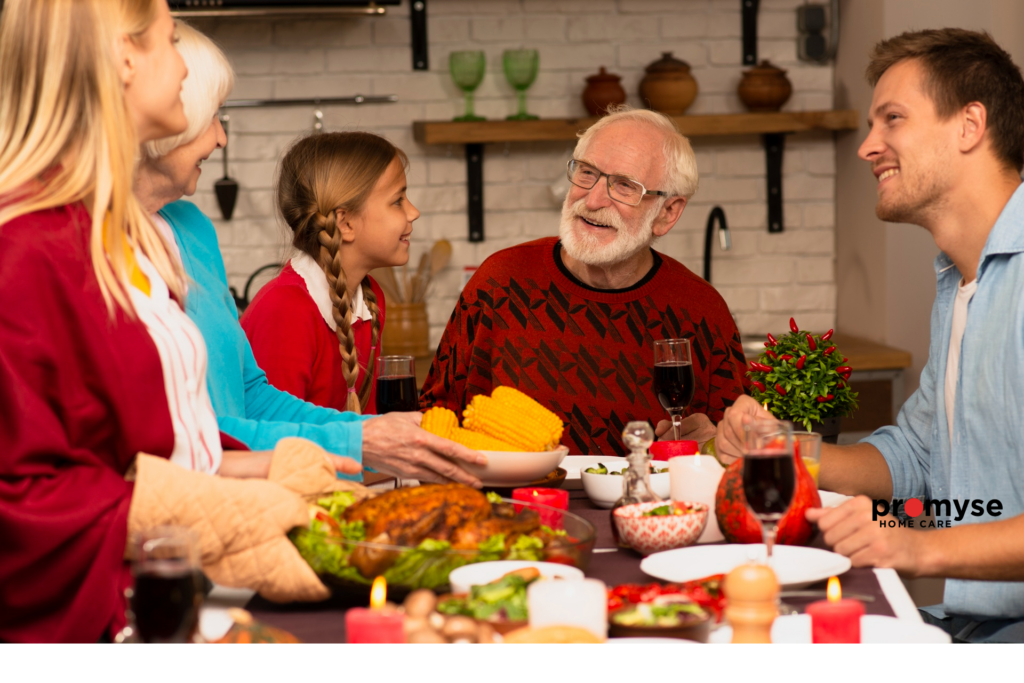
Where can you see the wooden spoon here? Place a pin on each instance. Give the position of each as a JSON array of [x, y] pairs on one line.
[[385, 277], [440, 254], [420, 279]]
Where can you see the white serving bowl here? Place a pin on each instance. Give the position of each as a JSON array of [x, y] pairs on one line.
[[514, 468], [604, 489], [482, 573]]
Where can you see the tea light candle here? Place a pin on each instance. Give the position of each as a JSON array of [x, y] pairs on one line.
[[835, 620], [695, 479], [556, 498], [382, 623], [582, 603]]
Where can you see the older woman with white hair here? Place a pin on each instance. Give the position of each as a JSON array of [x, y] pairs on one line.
[[247, 406]]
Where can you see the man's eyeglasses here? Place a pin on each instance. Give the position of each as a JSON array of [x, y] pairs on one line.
[[620, 188]]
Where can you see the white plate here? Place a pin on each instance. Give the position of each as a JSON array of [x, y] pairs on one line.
[[574, 464], [511, 468], [831, 499], [468, 575], [795, 566], [874, 629], [651, 641]]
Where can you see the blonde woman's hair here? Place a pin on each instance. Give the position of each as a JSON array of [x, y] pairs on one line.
[[66, 133], [320, 175], [680, 162], [209, 82]]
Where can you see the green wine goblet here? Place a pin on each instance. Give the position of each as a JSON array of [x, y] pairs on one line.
[[467, 69], [521, 71]]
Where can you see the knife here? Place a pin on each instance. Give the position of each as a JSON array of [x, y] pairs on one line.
[[821, 594]]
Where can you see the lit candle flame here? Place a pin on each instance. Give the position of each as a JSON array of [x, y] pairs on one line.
[[378, 593], [834, 592]]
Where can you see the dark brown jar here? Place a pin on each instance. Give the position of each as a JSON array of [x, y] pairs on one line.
[[764, 88], [668, 86], [603, 90]]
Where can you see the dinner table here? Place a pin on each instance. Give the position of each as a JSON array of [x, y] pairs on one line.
[[324, 622]]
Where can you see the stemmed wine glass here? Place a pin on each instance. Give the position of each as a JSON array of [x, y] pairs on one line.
[[165, 599], [396, 384], [769, 474], [467, 69], [673, 378], [521, 71]]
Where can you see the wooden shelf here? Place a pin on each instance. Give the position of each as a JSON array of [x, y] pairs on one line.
[[459, 133]]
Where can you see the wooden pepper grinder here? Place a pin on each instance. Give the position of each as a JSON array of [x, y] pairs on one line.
[[751, 591]]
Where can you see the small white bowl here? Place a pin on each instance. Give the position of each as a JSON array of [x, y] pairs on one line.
[[513, 468], [482, 573], [604, 489]]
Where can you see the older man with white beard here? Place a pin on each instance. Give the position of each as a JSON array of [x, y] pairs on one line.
[[571, 320]]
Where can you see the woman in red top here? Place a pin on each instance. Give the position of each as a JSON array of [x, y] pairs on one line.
[[315, 328]]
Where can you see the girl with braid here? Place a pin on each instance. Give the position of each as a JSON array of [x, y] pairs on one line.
[[315, 328]]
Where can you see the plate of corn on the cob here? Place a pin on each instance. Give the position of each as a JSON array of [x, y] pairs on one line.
[[520, 437]]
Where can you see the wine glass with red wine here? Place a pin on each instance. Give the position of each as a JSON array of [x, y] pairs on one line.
[[673, 378], [769, 473], [396, 385], [167, 593]]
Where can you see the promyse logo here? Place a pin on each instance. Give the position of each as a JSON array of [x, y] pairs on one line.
[[943, 507]]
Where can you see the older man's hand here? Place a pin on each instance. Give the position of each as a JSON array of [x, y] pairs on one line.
[[395, 444], [850, 531], [697, 427], [730, 438]]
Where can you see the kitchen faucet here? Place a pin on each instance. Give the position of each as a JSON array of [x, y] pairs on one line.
[[724, 237]]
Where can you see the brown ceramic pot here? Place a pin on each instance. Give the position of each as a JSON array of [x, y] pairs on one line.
[[668, 86], [764, 88], [603, 90], [406, 330]]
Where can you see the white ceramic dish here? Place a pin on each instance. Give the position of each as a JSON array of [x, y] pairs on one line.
[[795, 566], [464, 577], [651, 641], [604, 489], [874, 629], [513, 468], [575, 464], [831, 499]]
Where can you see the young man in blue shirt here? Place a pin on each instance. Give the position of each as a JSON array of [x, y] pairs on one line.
[[947, 147]]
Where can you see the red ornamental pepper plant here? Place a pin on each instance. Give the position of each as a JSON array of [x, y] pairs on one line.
[[803, 379]]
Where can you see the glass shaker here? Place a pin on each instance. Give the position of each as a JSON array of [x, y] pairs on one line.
[[636, 480]]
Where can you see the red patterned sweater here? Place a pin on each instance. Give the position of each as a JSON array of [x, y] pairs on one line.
[[523, 320]]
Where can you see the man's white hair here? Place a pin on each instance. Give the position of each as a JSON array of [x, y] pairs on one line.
[[680, 163], [209, 82]]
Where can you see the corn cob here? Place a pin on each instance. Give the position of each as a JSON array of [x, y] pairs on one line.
[[530, 409], [480, 442], [486, 415], [440, 421]]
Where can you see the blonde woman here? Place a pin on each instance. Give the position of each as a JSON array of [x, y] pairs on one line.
[[247, 406], [92, 341]]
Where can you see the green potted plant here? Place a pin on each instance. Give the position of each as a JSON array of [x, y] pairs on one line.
[[802, 377]]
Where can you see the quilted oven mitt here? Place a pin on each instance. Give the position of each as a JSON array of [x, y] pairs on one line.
[[241, 524], [306, 468]]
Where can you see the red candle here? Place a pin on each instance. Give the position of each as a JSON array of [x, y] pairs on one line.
[[379, 624], [663, 450], [835, 620], [556, 498]]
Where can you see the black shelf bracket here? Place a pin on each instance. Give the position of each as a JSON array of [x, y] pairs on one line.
[[774, 146], [418, 17], [475, 191], [749, 10]]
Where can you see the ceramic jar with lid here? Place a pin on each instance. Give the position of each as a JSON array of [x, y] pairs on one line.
[[668, 86], [603, 90], [764, 88]]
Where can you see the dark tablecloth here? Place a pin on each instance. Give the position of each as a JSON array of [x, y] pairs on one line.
[[324, 622]]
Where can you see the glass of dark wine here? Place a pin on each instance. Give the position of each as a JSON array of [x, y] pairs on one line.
[[769, 473], [167, 594], [396, 385], [673, 378]]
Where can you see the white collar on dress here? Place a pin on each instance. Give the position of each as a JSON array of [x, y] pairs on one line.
[[316, 284]]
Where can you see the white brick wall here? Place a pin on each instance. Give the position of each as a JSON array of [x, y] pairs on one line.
[[764, 278]]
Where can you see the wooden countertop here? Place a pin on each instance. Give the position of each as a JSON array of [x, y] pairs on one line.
[[863, 354]]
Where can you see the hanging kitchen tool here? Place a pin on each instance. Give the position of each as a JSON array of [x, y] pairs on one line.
[[318, 121], [226, 188]]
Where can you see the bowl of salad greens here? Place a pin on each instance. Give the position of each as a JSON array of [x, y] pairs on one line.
[[603, 482], [422, 544], [664, 616]]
